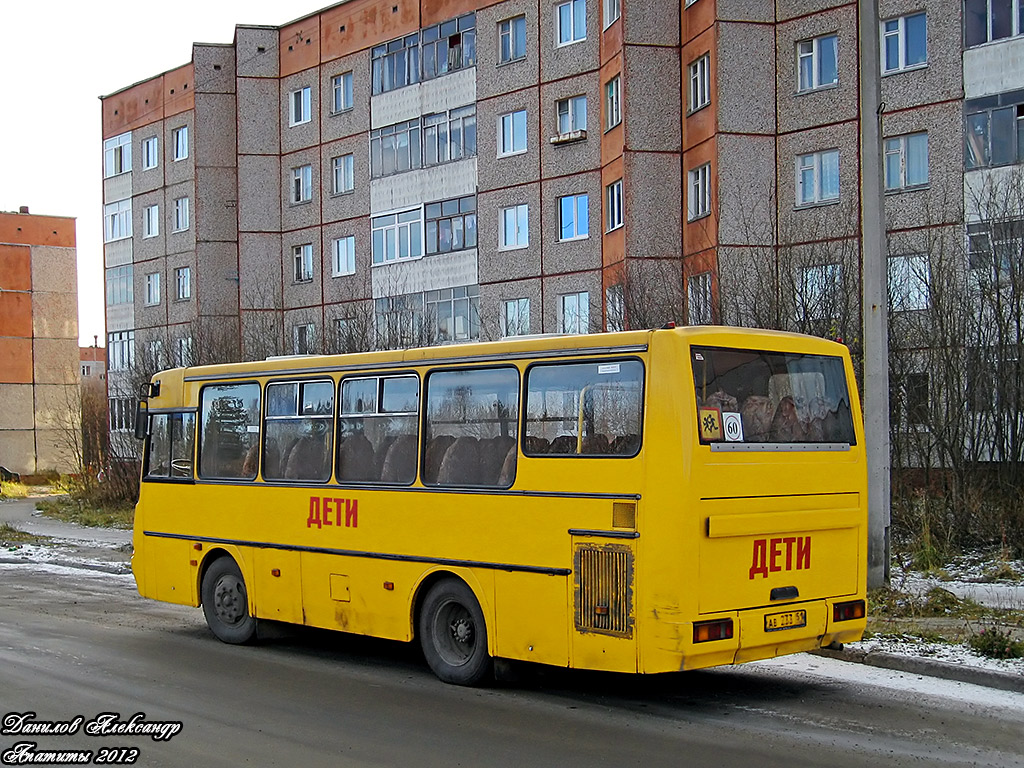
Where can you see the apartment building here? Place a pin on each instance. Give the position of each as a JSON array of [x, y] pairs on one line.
[[395, 172], [38, 341]]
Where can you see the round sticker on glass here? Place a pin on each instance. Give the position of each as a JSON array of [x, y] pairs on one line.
[[732, 427]]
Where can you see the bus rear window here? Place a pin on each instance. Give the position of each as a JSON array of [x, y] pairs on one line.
[[756, 396]]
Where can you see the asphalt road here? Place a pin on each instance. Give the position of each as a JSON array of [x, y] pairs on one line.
[[81, 643]]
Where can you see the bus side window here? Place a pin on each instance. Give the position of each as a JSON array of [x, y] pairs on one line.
[[378, 429], [230, 428], [297, 434], [172, 437], [159, 446], [472, 416], [584, 409]]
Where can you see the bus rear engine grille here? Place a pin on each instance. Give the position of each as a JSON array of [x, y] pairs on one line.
[[604, 589]]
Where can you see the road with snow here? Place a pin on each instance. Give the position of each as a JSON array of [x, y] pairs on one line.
[[79, 642]]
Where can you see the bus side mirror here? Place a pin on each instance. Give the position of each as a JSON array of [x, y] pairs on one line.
[[141, 420]]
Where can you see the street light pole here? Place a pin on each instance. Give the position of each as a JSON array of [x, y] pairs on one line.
[[875, 300]]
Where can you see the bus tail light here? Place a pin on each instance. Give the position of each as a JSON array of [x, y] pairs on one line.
[[848, 611], [720, 629]]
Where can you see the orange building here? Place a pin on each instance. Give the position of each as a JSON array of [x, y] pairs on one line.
[[39, 376]]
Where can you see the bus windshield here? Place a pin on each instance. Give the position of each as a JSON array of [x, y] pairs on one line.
[[757, 396]]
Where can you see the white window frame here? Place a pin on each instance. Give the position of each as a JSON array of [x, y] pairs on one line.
[[302, 263], [343, 256], [578, 220], [390, 231], [343, 174], [1015, 23], [897, 28], [302, 184], [813, 162], [897, 149], [181, 217], [613, 102], [514, 227], [698, 299], [300, 106], [509, 30], [150, 221], [120, 283], [120, 350], [117, 221], [812, 49], [574, 312], [152, 289], [182, 283], [571, 114], [611, 11], [909, 280], [342, 97], [117, 155], [698, 192], [700, 83], [613, 205], [183, 350], [179, 137], [573, 34], [515, 317], [508, 135], [150, 152]]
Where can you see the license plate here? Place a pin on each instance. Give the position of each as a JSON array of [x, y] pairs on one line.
[[773, 622]]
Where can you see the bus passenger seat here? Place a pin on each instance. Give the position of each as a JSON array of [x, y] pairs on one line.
[[508, 466], [532, 445], [563, 444], [595, 444], [355, 459], [306, 459], [252, 459], [625, 445], [492, 458], [461, 463], [435, 452], [400, 462], [756, 415]]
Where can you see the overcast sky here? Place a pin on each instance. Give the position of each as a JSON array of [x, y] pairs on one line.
[[56, 59]]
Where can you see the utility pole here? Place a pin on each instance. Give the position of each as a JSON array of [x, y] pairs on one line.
[[875, 299]]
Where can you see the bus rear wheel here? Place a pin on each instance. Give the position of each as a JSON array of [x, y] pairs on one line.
[[453, 634], [226, 602]]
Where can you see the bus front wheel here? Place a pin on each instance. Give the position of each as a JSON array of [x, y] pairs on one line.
[[226, 602], [453, 634]]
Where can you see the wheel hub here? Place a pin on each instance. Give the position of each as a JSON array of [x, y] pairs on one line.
[[462, 631]]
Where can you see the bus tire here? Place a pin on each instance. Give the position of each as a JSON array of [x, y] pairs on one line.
[[453, 634], [226, 603]]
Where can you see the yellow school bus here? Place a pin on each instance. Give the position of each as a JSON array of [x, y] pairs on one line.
[[645, 501]]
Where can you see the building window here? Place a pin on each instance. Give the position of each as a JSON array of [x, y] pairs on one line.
[[302, 260], [183, 352], [449, 136], [512, 39], [817, 63], [908, 282], [987, 20], [574, 313], [152, 289], [120, 350], [698, 299], [570, 22], [906, 161], [698, 200], [572, 114], [120, 285], [700, 83], [614, 308], [819, 292], [395, 148], [343, 261], [150, 153], [303, 339], [612, 103], [453, 314], [343, 177], [904, 43], [449, 46], [179, 136], [183, 283], [301, 110], [117, 155], [180, 214], [117, 221], [817, 177], [512, 133], [341, 93], [995, 250], [514, 231], [302, 184], [515, 320], [397, 236], [612, 11], [451, 225], [994, 136], [396, 64], [122, 413], [151, 221], [613, 206], [573, 219]]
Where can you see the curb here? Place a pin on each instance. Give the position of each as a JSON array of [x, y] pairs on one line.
[[1004, 681]]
